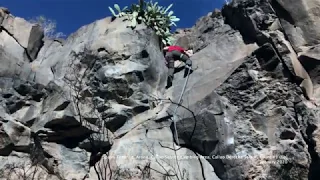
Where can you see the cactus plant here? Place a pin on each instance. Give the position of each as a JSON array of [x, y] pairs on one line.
[[159, 18], [120, 12]]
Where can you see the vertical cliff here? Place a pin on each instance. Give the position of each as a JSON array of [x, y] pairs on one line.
[[95, 105]]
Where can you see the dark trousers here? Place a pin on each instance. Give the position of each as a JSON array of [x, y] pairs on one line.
[[171, 57]]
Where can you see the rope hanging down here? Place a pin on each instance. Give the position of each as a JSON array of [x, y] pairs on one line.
[[179, 101]]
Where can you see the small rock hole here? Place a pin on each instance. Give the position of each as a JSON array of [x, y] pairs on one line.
[[144, 54]]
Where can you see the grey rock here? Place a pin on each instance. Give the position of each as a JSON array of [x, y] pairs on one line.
[[116, 81], [311, 53], [96, 101], [102, 140], [209, 130], [251, 18], [14, 135], [271, 122], [12, 55], [3, 13], [156, 152], [67, 163], [264, 74], [222, 54], [29, 36], [19, 166], [256, 16], [300, 24]]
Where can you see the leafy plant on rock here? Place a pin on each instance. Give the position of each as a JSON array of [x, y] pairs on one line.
[[157, 17]]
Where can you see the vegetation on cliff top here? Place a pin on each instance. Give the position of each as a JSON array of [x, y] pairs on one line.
[[156, 17]]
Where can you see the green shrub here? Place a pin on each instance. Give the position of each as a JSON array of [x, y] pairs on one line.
[[157, 17]]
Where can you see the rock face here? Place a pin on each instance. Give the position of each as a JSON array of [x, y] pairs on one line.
[[74, 106], [95, 105], [251, 116]]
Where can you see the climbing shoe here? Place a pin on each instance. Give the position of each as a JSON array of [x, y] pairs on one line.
[[187, 71], [169, 82]]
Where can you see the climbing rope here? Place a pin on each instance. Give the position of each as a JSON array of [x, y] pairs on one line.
[[180, 98]]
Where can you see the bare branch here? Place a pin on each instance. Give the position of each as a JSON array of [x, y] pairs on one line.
[[49, 27]]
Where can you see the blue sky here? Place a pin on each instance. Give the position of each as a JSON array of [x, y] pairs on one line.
[[70, 15]]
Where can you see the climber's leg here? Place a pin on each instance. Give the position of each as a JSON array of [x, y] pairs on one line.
[[170, 61], [187, 60], [182, 57]]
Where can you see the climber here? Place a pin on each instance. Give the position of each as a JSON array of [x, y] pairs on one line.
[[173, 53]]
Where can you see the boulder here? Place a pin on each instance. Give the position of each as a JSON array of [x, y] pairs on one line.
[[300, 20], [27, 35], [3, 13], [12, 55]]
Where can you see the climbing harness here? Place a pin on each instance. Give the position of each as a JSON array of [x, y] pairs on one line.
[[180, 98]]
